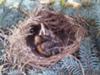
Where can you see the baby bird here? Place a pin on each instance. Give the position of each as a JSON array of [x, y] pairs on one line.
[[46, 46], [38, 40]]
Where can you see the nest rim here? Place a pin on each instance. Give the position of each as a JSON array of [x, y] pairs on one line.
[[42, 62]]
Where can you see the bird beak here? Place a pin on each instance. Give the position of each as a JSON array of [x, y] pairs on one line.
[[42, 31]]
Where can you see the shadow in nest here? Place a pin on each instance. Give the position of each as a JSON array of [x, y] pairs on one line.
[[43, 43], [51, 38]]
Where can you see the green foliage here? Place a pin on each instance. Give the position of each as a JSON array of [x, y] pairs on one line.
[[16, 72], [69, 65], [62, 2], [9, 17], [2, 2], [88, 55]]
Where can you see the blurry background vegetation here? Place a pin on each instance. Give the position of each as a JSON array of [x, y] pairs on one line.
[[11, 12]]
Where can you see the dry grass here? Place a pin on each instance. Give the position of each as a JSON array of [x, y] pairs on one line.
[[19, 52]]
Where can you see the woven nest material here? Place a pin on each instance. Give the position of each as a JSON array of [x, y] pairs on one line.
[[43, 39]]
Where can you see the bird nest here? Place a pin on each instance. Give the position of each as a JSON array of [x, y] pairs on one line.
[[43, 39]]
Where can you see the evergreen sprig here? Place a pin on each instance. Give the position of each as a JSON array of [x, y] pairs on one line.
[[88, 55]]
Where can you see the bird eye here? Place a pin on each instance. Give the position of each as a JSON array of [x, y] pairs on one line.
[[30, 38]]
